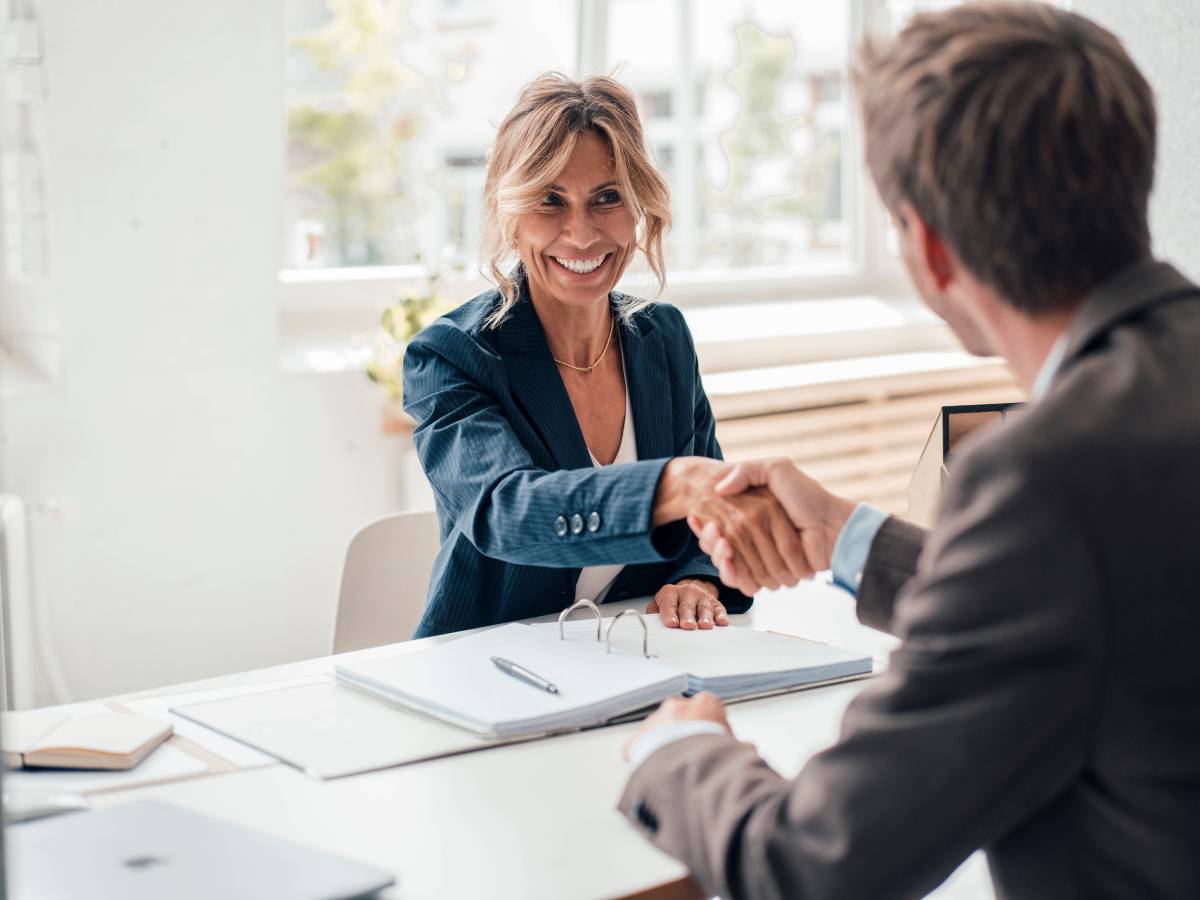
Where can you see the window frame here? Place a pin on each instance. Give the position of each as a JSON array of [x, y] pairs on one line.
[[336, 296]]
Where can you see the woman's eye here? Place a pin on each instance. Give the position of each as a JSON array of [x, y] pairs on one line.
[[552, 199], [608, 198]]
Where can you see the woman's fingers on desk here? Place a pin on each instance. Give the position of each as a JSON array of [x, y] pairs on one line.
[[689, 605]]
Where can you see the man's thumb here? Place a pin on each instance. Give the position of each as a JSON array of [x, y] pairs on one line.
[[744, 475]]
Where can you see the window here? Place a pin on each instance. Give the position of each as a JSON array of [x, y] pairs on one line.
[[745, 108], [392, 105]]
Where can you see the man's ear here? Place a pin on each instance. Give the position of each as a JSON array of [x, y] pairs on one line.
[[929, 247]]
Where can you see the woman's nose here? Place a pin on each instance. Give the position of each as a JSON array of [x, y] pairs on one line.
[[580, 228]]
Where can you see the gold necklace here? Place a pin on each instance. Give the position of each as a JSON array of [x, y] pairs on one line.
[[587, 369]]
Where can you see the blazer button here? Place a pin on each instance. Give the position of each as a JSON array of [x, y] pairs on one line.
[[577, 524], [593, 523], [646, 817], [560, 526]]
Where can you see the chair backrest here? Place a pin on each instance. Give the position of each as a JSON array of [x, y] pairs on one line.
[[384, 580]]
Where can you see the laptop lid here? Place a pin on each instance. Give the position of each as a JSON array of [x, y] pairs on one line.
[[150, 849]]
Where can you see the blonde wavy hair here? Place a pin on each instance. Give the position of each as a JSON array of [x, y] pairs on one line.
[[533, 145]]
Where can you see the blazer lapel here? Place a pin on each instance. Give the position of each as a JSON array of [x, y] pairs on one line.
[[649, 385], [538, 388]]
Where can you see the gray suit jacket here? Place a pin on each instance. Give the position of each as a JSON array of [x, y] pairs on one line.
[[1044, 702]]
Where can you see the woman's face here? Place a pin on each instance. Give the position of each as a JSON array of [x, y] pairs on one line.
[[578, 243]]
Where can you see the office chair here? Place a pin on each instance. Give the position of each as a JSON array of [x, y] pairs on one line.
[[384, 580]]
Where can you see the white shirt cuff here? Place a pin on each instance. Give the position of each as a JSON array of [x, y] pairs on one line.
[[667, 733], [854, 545]]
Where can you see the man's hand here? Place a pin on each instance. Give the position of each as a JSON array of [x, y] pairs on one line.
[[814, 512], [753, 522], [757, 533], [690, 604], [702, 707]]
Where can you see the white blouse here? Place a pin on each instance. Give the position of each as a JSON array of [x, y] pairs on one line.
[[594, 581]]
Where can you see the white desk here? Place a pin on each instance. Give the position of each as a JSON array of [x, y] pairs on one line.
[[529, 821]]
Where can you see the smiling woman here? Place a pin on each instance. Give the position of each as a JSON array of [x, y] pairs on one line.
[[563, 425], [573, 154]]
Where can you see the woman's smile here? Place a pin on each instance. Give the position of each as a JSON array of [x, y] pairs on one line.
[[581, 268]]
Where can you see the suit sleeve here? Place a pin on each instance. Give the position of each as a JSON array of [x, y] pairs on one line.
[[694, 562], [891, 562], [985, 714], [486, 481]]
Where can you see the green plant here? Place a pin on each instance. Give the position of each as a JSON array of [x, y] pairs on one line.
[[399, 324]]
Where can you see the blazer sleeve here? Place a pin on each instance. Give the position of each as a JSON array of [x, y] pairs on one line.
[[891, 562], [694, 562], [487, 483], [986, 712]]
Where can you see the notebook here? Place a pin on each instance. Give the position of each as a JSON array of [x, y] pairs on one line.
[[458, 682], [55, 739], [730, 662]]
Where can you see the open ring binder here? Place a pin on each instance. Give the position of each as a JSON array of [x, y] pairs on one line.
[[607, 638], [645, 632], [579, 604]]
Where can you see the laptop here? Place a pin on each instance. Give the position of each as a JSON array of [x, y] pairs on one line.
[[151, 849]]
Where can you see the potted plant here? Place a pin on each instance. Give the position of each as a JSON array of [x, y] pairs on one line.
[[399, 324]]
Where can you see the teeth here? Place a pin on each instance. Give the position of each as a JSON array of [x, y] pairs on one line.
[[580, 266]]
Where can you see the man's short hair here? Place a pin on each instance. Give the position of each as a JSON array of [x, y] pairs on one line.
[[1023, 135]]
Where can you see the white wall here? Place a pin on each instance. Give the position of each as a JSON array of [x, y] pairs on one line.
[[1161, 36], [207, 497]]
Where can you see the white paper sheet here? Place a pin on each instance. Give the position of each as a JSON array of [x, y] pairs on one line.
[[236, 753], [330, 731]]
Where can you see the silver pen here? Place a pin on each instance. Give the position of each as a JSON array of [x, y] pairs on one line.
[[511, 668]]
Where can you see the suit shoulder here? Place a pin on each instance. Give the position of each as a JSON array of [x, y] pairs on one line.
[[459, 340], [664, 317], [1047, 443], [463, 326]]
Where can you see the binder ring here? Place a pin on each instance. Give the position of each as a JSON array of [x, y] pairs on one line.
[[580, 604], [645, 632]]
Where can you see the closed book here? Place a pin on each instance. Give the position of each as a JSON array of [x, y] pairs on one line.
[[49, 738]]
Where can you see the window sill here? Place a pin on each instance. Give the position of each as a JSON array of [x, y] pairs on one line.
[[776, 333]]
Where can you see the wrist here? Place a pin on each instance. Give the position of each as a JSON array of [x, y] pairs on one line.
[[683, 479], [838, 512]]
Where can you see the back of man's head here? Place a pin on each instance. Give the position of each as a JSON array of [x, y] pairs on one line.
[[1024, 136]]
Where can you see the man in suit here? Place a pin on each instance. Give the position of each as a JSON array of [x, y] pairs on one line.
[[1044, 701]]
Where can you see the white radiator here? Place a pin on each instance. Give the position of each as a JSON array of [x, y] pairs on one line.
[[16, 592], [857, 426]]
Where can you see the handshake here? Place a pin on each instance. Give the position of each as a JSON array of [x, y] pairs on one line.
[[763, 523]]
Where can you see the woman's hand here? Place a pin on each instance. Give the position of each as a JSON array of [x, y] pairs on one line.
[[690, 604]]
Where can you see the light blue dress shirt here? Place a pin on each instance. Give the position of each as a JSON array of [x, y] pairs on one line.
[[854, 545], [849, 559]]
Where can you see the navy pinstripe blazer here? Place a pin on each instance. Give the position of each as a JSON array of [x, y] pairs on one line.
[[522, 509]]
